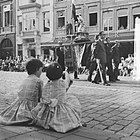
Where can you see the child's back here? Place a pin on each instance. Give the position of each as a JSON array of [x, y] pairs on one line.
[[29, 94], [59, 110], [29, 90]]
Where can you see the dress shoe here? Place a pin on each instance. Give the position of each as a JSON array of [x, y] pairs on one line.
[[106, 84], [89, 80], [76, 78], [95, 82]]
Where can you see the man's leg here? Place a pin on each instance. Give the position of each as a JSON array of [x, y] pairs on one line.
[[104, 74], [110, 71], [92, 67], [116, 71]]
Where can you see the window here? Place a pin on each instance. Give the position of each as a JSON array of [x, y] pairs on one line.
[[108, 24], [93, 15], [7, 18], [134, 18], [61, 19], [6, 48], [46, 21], [7, 15], [108, 20], [92, 19], [122, 23], [6, 43], [30, 22]]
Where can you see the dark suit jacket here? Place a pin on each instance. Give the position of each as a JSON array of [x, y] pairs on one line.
[[116, 53], [100, 52], [86, 55], [108, 52]]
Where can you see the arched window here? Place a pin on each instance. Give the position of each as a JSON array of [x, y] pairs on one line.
[[6, 49]]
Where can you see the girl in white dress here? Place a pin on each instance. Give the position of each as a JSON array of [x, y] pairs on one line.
[[58, 110]]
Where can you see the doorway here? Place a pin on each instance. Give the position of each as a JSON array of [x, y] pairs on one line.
[[32, 53]]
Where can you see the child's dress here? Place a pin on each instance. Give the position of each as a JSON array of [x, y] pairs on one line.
[[28, 96], [63, 114]]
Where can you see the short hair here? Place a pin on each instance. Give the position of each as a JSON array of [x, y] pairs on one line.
[[33, 65], [54, 71]]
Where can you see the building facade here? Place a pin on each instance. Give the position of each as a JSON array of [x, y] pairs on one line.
[[118, 21], [42, 24], [34, 26], [7, 28]]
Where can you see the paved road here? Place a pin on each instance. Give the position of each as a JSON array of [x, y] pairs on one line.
[[111, 109]]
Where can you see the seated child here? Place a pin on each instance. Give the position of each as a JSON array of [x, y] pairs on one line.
[[58, 110], [29, 94]]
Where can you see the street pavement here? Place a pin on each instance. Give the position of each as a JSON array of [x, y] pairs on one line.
[[110, 112]]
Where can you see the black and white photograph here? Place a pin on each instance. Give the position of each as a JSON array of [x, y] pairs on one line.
[[69, 69]]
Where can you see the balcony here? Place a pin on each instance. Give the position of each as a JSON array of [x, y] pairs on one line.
[[7, 30], [30, 33]]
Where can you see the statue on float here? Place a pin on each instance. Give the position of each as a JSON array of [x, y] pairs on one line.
[[81, 24], [81, 34]]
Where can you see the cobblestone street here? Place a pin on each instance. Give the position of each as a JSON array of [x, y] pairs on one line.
[[111, 112]]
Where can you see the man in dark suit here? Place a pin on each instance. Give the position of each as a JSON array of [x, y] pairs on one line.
[[116, 59], [91, 60], [108, 46], [101, 59]]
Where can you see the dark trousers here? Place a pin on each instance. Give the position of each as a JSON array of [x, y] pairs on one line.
[[75, 74], [92, 68], [110, 70], [116, 70]]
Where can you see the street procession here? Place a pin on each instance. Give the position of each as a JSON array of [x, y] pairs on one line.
[[69, 69]]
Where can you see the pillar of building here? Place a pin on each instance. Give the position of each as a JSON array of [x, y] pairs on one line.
[[136, 74]]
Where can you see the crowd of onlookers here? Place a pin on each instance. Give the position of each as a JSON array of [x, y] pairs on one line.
[[126, 65], [12, 64], [17, 64]]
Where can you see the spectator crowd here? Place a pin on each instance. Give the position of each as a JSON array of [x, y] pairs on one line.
[[17, 64], [126, 65]]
